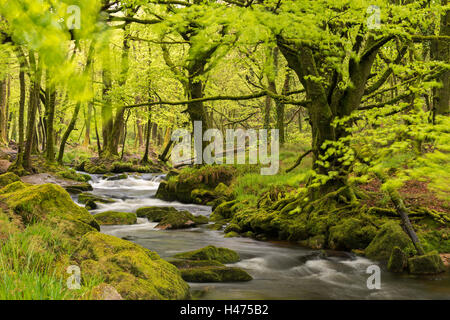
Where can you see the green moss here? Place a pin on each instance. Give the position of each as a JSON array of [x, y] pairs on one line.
[[223, 255], [8, 178], [73, 175], [317, 242], [136, 272], [232, 227], [215, 274], [78, 188], [437, 239], [350, 234], [86, 197], [231, 234], [122, 176], [35, 203], [398, 260], [430, 263], [12, 187], [224, 211], [183, 264], [154, 213], [115, 217], [389, 236]]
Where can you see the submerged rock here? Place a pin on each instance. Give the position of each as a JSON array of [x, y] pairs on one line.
[[430, 263], [223, 255], [136, 272], [389, 236], [115, 217]]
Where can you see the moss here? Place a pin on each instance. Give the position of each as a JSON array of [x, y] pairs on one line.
[[136, 272], [114, 217], [215, 274], [78, 188], [183, 264], [430, 263], [398, 260], [73, 175], [122, 176], [317, 242], [223, 255], [171, 218], [35, 203], [389, 236], [232, 227], [12, 187], [350, 234], [224, 211], [8, 178], [437, 239], [154, 213], [222, 190], [232, 234], [86, 197]]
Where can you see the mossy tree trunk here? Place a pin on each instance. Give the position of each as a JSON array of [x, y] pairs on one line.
[[35, 68], [66, 134], [49, 119]]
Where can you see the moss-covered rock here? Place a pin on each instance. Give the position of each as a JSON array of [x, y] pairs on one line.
[[12, 187], [389, 236], [231, 234], [8, 178], [73, 175], [87, 197], [136, 272], [35, 203], [317, 242], [351, 234], [122, 176], [430, 263], [398, 260], [154, 213], [78, 188], [115, 217], [171, 218], [215, 274], [224, 211], [223, 255], [103, 292], [197, 185], [232, 227], [184, 264]]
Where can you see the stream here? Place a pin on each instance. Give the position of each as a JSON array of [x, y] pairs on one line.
[[280, 270]]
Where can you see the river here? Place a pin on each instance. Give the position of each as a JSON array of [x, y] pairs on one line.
[[279, 270]]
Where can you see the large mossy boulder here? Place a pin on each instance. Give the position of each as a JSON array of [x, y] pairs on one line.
[[8, 178], [38, 202], [171, 218], [215, 274], [398, 260], [389, 236], [136, 272], [430, 263], [223, 255], [224, 211], [78, 187], [209, 271], [351, 234], [115, 218], [202, 186]]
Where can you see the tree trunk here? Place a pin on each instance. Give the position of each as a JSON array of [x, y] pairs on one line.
[[147, 138], [49, 119], [66, 134]]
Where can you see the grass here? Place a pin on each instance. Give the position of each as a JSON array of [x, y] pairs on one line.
[[32, 266]]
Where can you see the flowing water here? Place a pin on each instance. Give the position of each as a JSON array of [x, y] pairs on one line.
[[279, 270]]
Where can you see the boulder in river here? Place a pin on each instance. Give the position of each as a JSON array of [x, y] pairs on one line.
[[389, 236], [85, 197], [223, 255], [398, 260], [171, 218], [209, 271], [430, 263], [70, 185], [115, 218], [136, 272]]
